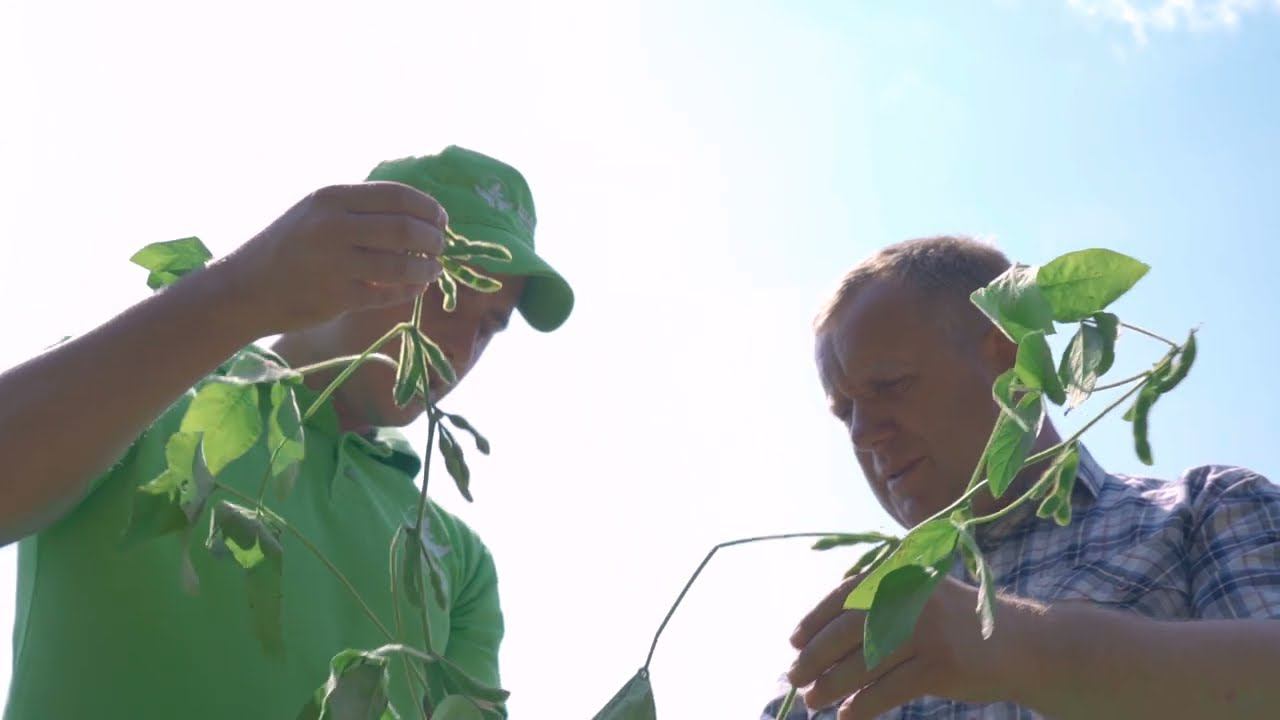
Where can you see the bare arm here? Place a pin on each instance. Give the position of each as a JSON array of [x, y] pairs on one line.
[[1096, 663], [68, 413]]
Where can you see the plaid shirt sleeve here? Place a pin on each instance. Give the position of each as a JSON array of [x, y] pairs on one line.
[[1234, 548]]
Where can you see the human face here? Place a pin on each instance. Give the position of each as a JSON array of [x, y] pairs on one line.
[[915, 396], [366, 399]]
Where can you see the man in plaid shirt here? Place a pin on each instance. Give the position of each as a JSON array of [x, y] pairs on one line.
[[1091, 617]]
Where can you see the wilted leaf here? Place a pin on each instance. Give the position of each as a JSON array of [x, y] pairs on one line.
[[1080, 365], [926, 545], [1014, 302], [633, 702], [1081, 283], [170, 260], [986, 584], [228, 416], [1057, 501], [285, 432], [356, 689], [254, 542]]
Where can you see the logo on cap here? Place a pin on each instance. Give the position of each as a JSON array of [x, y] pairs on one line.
[[494, 193]]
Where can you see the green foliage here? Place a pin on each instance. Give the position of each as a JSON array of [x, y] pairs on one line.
[[926, 545], [900, 597], [633, 702], [469, 277], [1011, 441], [1015, 303], [1034, 367], [227, 414], [252, 538], [832, 541], [1056, 485], [1079, 284], [356, 689], [986, 584], [455, 463], [170, 260], [286, 434]]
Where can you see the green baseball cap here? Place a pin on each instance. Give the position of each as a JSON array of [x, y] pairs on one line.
[[490, 201]]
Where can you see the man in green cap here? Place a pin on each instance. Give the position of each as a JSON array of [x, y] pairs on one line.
[[108, 632]]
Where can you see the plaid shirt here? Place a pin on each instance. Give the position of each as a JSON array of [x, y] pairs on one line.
[[1204, 546]]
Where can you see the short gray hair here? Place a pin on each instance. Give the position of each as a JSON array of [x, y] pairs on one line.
[[946, 268]]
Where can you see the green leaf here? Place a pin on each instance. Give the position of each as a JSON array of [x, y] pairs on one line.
[[170, 260], [254, 541], [986, 584], [1034, 367], [356, 689], [1060, 481], [892, 618], [469, 277], [1080, 363], [1014, 302], [1109, 326], [870, 558], [457, 707], [172, 500], [448, 292], [408, 370], [285, 431], [152, 514], [1084, 282], [228, 416], [832, 541], [1010, 442], [414, 558], [633, 702], [436, 358], [461, 423], [454, 463], [926, 545]]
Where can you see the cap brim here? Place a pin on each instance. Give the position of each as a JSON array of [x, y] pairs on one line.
[[547, 299]]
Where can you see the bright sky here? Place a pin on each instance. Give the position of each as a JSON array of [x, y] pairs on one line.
[[702, 176]]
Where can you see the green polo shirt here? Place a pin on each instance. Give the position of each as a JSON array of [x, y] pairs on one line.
[[105, 632]]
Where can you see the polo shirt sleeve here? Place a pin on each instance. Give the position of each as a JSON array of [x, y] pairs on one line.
[[475, 616], [1234, 554]]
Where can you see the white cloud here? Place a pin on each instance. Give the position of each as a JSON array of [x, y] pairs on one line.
[[1166, 15]]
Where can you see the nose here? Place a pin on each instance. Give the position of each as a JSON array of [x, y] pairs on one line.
[[870, 426]]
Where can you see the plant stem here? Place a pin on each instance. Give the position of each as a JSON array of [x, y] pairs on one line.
[[1038, 457], [1045, 455], [1118, 383], [1149, 334], [314, 551], [346, 373], [703, 564], [787, 702], [395, 603], [340, 361], [976, 477]]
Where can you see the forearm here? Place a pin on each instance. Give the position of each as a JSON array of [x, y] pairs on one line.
[[1090, 662], [68, 413]]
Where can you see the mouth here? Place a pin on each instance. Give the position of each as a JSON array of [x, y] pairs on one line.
[[904, 472]]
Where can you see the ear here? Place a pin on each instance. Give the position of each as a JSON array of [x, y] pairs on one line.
[[998, 351]]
